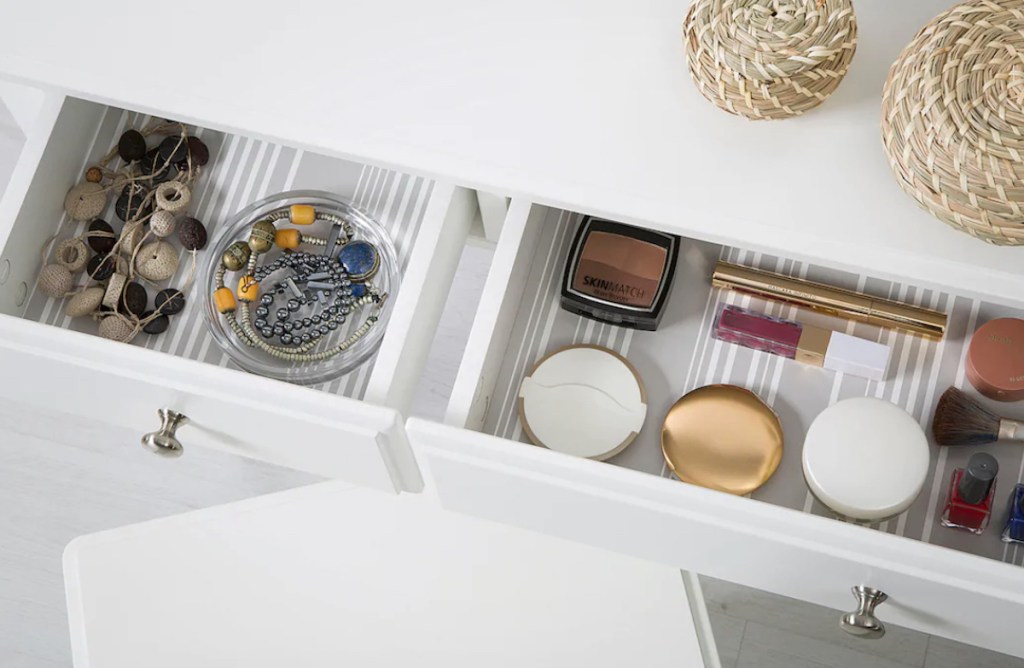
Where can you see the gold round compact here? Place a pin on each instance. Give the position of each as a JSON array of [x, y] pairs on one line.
[[722, 437]]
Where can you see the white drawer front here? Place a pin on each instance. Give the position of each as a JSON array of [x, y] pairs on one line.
[[228, 410], [932, 589]]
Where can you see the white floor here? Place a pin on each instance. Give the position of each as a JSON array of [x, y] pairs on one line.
[[75, 482], [754, 629]]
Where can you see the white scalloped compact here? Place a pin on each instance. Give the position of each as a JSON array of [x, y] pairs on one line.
[[583, 400]]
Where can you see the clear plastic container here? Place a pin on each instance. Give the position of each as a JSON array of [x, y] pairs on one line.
[[385, 281]]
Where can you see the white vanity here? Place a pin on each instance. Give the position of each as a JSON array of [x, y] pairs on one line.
[[462, 123]]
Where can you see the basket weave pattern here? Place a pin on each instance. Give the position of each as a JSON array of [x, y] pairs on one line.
[[767, 59], [953, 119]]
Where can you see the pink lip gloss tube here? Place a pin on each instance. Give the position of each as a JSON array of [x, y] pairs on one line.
[[804, 343]]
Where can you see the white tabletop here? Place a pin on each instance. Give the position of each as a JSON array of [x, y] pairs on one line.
[[581, 103], [331, 575]]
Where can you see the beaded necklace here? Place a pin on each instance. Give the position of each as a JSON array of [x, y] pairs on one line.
[[153, 186], [311, 295]]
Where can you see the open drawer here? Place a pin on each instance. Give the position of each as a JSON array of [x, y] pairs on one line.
[[941, 581], [51, 360]]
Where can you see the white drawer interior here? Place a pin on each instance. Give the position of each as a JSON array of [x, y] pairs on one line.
[[428, 223], [520, 320]]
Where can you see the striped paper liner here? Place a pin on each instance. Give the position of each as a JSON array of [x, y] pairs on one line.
[[681, 356], [243, 170]]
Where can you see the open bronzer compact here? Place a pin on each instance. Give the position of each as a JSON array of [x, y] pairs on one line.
[[619, 273]]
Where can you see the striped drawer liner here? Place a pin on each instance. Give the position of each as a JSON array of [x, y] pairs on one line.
[[243, 170], [681, 356]]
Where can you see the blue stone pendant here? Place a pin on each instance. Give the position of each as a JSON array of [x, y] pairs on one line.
[[359, 259]]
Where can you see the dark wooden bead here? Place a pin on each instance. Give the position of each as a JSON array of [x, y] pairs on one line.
[[131, 146], [101, 267], [192, 234], [170, 301], [132, 204], [134, 298], [152, 162], [102, 245], [197, 151], [173, 150], [157, 325]]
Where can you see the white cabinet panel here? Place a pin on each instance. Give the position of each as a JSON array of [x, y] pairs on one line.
[[332, 576], [539, 99]]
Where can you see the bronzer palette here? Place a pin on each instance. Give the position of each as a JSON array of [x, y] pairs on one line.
[[619, 273]]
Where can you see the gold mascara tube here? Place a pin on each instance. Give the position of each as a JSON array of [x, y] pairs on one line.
[[833, 301]]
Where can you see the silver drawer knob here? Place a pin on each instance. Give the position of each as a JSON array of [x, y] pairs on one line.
[[163, 441], [862, 621]]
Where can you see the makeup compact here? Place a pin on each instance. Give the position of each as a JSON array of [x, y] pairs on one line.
[[722, 437], [583, 400], [865, 458], [619, 273], [995, 359]]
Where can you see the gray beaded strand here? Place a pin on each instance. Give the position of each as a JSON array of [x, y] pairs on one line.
[[253, 339], [300, 353]]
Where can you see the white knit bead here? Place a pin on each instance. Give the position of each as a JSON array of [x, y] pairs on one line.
[[115, 287], [173, 196], [85, 201], [131, 237], [116, 328], [72, 254], [84, 303], [162, 223], [55, 280], [157, 261]]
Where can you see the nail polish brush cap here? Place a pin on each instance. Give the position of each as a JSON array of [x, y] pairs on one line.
[[978, 477]]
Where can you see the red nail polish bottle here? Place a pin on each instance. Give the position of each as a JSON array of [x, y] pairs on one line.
[[971, 492]]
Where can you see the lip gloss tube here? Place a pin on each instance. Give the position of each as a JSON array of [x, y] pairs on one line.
[[804, 343]]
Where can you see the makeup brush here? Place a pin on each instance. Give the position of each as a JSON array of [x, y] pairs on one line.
[[961, 420]]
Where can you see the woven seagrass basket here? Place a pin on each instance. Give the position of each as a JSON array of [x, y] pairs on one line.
[[953, 119], [766, 59]]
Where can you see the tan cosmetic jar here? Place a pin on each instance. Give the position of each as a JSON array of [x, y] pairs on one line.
[[995, 359]]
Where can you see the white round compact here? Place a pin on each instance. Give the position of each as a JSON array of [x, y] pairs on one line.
[[583, 400], [865, 458]]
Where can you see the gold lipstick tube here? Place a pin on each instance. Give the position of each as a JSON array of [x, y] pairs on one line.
[[833, 301]]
